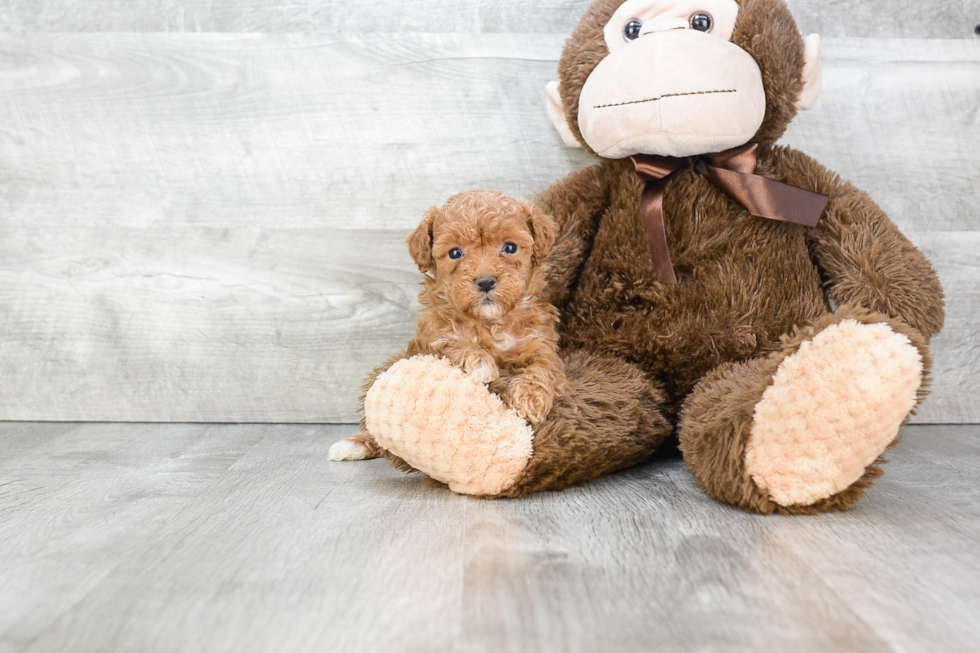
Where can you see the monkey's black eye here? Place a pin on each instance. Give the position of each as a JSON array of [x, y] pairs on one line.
[[632, 29], [455, 253], [510, 248], [702, 22]]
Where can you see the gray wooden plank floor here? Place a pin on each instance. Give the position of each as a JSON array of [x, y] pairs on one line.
[[245, 538]]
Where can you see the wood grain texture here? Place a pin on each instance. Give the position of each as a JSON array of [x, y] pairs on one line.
[[956, 350], [75, 501], [271, 547], [289, 131], [275, 325], [869, 18], [309, 130], [177, 209], [198, 324]]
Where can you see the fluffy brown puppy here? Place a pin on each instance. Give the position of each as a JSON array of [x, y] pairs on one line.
[[482, 306], [682, 309]]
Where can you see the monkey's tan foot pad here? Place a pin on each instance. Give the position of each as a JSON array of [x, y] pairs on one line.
[[447, 425], [833, 407]]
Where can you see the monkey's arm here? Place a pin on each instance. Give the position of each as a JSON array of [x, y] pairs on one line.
[[575, 202], [865, 258]]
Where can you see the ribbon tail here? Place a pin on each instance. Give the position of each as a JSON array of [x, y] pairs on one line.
[[652, 207], [767, 198]]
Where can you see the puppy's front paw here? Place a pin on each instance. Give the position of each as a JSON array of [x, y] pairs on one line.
[[531, 399], [480, 365]]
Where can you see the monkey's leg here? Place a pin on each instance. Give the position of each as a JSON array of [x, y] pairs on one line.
[[801, 430], [453, 429]]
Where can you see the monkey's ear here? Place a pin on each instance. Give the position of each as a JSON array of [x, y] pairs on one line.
[[557, 114], [812, 72], [420, 241], [543, 229]]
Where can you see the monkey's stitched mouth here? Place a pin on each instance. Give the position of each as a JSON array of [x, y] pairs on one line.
[[657, 99]]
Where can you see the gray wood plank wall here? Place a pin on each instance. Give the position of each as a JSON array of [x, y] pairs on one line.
[[202, 203], [864, 18]]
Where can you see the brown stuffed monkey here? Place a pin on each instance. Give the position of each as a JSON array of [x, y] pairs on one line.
[[697, 269]]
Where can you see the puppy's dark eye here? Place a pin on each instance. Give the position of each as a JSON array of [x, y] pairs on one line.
[[701, 21], [510, 248], [455, 253], [632, 30]]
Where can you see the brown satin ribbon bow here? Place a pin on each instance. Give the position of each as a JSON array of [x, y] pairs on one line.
[[733, 173]]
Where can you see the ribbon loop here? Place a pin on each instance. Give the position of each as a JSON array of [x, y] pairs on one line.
[[733, 173]]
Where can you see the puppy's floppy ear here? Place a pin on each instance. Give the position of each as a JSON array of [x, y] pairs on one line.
[[542, 229], [420, 241]]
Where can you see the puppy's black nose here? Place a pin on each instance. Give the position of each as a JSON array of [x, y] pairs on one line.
[[486, 284]]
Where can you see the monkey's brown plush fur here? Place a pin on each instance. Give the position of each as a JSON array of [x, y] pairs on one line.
[[705, 357]]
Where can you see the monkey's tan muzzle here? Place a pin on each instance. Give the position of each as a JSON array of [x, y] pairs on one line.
[[652, 97]]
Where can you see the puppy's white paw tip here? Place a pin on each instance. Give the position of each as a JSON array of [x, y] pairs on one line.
[[347, 450]]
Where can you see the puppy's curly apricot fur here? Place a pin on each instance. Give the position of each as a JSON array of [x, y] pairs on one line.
[[482, 304]]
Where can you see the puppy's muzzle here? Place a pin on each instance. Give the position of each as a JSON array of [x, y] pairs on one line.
[[485, 284]]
